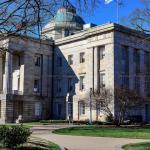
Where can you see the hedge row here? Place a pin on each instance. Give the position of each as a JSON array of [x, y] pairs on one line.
[[13, 136], [74, 122]]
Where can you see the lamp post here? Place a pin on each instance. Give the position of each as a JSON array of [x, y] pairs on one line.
[[67, 99], [90, 103]]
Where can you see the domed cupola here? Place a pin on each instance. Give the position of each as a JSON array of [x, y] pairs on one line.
[[65, 22]]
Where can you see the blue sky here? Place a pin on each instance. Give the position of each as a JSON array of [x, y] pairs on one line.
[[107, 13]]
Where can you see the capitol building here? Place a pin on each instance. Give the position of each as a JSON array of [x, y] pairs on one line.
[[50, 78]]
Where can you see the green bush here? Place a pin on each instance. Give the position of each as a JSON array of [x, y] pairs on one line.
[[12, 136]]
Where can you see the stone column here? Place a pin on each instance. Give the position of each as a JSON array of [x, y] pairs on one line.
[[89, 68], [131, 68], [96, 69], [1, 73], [8, 74], [116, 61], [142, 86]]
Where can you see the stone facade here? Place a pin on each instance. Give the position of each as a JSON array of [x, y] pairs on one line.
[[111, 38], [45, 79], [27, 61]]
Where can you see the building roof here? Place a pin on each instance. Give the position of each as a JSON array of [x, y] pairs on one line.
[[66, 17]]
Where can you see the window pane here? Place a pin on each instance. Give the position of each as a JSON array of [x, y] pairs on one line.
[[59, 85], [82, 108], [59, 61], [82, 84], [70, 59], [36, 86], [102, 79], [102, 52], [38, 60], [82, 57]]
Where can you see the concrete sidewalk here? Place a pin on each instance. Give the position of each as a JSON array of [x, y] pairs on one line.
[[84, 142], [88, 143]]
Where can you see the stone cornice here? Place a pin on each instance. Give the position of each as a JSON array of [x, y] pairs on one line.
[[100, 30], [25, 37]]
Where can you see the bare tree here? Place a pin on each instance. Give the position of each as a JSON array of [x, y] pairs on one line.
[[29, 16], [100, 100], [124, 100], [139, 18], [104, 100], [21, 16]]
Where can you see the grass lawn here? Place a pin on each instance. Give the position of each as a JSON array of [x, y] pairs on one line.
[[137, 133], [139, 146], [36, 144]]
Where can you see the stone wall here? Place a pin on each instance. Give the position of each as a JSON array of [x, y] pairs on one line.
[[22, 99], [132, 41], [90, 46]]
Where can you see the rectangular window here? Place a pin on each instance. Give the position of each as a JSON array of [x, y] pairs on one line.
[[102, 80], [136, 59], [70, 87], [136, 56], [146, 58], [70, 59], [125, 81], [137, 83], [102, 52], [36, 86], [82, 82], [82, 108], [125, 60], [98, 108], [38, 109], [147, 86], [37, 60], [19, 60], [146, 62], [59, 110], [59, 61], [82, 57], [59, 86], [124, 52]]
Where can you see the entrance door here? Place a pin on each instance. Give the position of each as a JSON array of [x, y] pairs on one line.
[[147, 113]]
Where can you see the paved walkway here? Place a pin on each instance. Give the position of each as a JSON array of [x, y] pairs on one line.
[[83, 142]]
